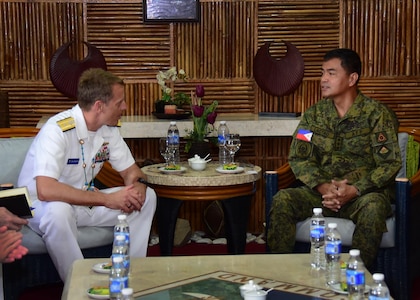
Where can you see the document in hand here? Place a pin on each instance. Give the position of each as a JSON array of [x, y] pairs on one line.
[[17, 201]]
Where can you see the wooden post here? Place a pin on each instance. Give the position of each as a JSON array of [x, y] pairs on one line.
[[4, 110]]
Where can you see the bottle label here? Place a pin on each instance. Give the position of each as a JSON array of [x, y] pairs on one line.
[[372, 297], [333, 247], [221, 139], [317, 232], [117, 284], [125, 259], [126, 234], [173, 139], [355, 277]]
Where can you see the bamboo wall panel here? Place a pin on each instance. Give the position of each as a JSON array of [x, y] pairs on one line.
[[132, 49], [390, 45], [400, 95], [222, 45], [313, 27], [30, 34]]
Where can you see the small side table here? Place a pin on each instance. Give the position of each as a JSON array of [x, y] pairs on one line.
[[235, 191]]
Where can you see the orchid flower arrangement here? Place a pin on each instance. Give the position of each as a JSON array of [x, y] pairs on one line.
[[173, 75], [203, 118]]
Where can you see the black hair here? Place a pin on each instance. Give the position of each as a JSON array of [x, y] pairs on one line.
[[350, 60]]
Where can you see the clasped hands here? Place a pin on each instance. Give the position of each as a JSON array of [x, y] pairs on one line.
[[336, 194], [131, 198]]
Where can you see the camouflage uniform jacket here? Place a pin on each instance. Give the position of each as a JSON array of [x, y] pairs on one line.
[[361, 147]]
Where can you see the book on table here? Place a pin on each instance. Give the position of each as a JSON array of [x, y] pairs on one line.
[[17, 201]]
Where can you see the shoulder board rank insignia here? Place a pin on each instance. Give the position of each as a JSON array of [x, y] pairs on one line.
[[67, 124]]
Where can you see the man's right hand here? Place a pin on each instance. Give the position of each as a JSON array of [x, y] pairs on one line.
[[11, 221], [128, 199]]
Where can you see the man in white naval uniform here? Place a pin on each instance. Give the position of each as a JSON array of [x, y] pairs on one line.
[[61, 163]]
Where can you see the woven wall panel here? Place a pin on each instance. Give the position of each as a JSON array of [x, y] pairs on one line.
[[30, 34], [400, 94], [132, 49], [312, 26], [29, 101], [385, 34], [222, 45]]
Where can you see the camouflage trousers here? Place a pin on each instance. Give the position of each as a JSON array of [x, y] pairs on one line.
[[368, 212]]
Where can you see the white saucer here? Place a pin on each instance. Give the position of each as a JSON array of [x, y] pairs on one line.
[[237, 170], [337, 288], [100, 268], [96, 296], [163, 170]]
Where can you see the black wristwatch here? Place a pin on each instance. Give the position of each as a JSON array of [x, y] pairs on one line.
[[142, 180]]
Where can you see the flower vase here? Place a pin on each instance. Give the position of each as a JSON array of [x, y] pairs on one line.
[[199, 148], [160, 106]]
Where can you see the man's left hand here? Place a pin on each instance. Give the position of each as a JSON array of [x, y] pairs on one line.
[[339, 195]]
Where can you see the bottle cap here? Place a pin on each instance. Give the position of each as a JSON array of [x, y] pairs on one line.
[[127, 291], [122, 217], [173, 123], [354, 252], [332, 225], [222, 122], [378, 276], [317, 210]]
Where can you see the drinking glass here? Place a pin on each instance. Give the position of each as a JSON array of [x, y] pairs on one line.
[[232, 144], [165, 150]]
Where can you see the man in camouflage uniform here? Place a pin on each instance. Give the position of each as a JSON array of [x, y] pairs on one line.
[[345, 151]]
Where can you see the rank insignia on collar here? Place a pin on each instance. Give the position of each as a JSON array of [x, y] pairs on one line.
[[381, 137]]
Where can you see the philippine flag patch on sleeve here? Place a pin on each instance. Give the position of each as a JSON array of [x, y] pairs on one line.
[[304, 135]]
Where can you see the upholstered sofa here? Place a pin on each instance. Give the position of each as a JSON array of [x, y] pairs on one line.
[[393, 259], [36, 268]]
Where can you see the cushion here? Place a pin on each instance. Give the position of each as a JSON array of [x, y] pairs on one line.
[[346, 229], [88, 237], [402, 141], [13, 152]]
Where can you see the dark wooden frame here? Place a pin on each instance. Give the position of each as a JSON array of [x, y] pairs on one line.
[[185, 11]]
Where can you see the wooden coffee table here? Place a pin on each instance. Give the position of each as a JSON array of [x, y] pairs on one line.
[[290, 272]]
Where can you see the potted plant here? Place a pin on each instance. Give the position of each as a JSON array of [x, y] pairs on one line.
[[168, 97], [203, 123]]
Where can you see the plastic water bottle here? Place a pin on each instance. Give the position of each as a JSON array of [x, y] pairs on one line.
[[120, 248], [379, 290], [122, 229], [333, 254], [317, 239], [127, 294], [355, 274], [222, 133], [118, 279], [173, 142]]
